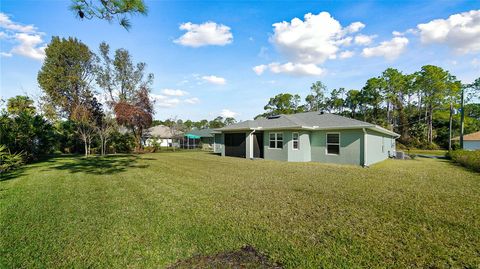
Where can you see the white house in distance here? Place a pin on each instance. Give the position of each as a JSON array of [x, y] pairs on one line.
[[470, 141], [162, 134]]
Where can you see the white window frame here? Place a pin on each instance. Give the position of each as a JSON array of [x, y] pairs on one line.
[[326, 144], [297, 140], [275, 139]]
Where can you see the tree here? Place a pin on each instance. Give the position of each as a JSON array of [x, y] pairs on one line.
[[229, 121], [395, 87], [87, 117], [105, 129], [316, 100], [25, 132], [436, 85], [353, 101], [336, 100], [128, 89], [217, 122], [283, 103], [67, 73], [65, 77], [136, 115], [109, 10], [20, 104], [372, 96]]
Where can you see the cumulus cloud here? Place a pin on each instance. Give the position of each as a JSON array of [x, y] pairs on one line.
[[226, 113], [192, 101], [215, 80], [30, 46], [208, 33], [296, 69], [27, 40], [7, 23], [173, 92], [389, 49], [6, 54], [314, 39], [364, 40], [346, 54], [169, 100], [460, 32]]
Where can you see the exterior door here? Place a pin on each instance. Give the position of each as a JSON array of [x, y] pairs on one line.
[[258, 145]]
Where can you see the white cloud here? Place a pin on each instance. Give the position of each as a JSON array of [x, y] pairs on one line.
[[364, 40], [313, 40], [28, 41], [164, 101], [296, 69], [173, 92], [355, 27], [346, 54], [6, 23], [259, 69], [5, 54], [215, 80], [29, 46], [208, 33], [193, 100], [460, 32], [226, 113], [388, 49], [475, 62]]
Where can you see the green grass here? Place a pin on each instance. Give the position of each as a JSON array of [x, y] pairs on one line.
[[155, 209], [438, 152]]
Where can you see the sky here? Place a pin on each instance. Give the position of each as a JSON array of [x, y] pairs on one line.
[[227, 58]]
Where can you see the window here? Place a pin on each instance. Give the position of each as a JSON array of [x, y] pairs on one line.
[[276, 140], [333, 143], [295, 141]]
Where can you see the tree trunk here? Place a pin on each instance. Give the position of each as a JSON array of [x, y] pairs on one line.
[[450, 128], [430, 125]]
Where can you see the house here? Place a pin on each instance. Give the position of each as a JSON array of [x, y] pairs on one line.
[[305, 137], [197, 138], [162, 134], [470, 141]]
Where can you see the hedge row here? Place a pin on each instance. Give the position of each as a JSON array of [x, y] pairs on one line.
[[469, 159]]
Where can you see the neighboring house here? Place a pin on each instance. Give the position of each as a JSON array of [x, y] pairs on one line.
[[195, 138], [470, 141], [305, 137], [162, 134]]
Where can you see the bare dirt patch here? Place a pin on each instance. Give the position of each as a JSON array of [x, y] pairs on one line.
[[246, 257]]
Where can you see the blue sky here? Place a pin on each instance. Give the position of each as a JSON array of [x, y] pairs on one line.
[[228, 58]]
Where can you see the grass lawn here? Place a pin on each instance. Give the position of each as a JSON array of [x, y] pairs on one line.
[[438, 152], [155, 209]]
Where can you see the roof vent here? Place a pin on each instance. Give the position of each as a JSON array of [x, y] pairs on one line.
[[273, 117]]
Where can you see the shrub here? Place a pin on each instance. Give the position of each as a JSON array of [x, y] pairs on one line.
[[9, 161], [469, 159]]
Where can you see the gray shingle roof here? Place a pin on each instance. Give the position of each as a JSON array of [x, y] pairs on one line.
[[307, 120], [161, 131]]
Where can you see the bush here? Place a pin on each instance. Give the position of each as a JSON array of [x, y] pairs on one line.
[[9, 161], [469, 159]]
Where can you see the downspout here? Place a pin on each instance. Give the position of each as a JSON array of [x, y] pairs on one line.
[[250, 150], [364, 147]]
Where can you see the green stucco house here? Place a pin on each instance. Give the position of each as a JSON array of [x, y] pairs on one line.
[[307, 137]]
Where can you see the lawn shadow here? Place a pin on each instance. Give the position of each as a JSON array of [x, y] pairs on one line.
[[12, 174], [98, 165]]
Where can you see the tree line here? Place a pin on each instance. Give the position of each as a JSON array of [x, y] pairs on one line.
[[417, 106], [70, 117]]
